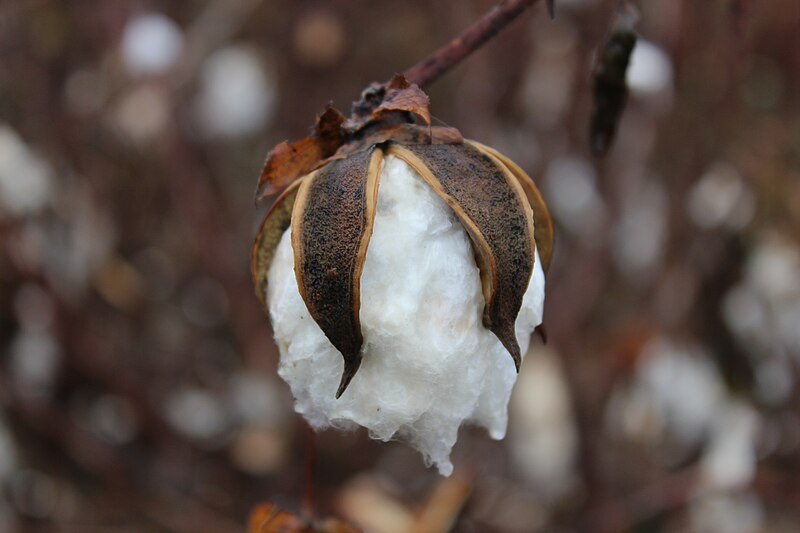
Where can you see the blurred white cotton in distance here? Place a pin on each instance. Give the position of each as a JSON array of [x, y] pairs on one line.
[[26, 180], [429, 363], [720, 198], [34, 360], [681, 385], [573, 195], [650, 69], [143, 113], [774, 380], [729, 461], [642, 230], [237, 95], [773, 269], [151, 43], [196, 413], [543, 439], [744, 311]]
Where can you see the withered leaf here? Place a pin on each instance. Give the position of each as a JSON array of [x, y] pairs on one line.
[[331, 227], [542, 221], [288, 161], [610, 89], [386, 103], [269, 236], [404, 96], [491, 205], [267, 518]]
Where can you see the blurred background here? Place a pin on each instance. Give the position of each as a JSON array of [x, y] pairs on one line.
[[138, 385]]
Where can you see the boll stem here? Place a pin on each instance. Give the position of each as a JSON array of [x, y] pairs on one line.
[[434, 66]]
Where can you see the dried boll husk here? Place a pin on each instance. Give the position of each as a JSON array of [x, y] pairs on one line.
[[325, 221]]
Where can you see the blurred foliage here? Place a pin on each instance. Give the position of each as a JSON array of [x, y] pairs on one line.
[[137, 370]]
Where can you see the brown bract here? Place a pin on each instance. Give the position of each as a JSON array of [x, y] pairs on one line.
[[379, 102], [491, 205], [330, 201], [288, 161], [333, 213]]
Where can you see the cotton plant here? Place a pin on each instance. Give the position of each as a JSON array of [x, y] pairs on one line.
[[403, 268]]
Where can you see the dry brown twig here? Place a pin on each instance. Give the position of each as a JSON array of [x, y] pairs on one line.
[[435, 65]]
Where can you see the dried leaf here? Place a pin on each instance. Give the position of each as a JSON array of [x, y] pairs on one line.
[[404, 96], [610, 90], [491, 205], [544, 231], [267, 518], [288, 161], [332, 224], [269, 236], [389, 105], [444, 505]]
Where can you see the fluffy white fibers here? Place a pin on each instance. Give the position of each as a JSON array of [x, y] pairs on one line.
[[429, 363]]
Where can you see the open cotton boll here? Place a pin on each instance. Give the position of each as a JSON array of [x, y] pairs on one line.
[[429, 364]]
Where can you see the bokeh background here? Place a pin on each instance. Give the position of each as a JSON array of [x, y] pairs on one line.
[[138, 385]]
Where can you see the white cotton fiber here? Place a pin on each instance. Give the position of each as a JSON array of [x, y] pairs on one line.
[[429, 363]]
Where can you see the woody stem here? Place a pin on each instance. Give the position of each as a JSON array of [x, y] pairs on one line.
[[431, 68]]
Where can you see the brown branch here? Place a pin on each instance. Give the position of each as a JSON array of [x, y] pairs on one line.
[[431, 68]]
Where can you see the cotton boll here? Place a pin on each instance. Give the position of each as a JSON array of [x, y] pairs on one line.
[[26, 179], [729, 462], [237, 95], [543, 439], [576, 202], [650, 76], [151, 44], [721, 199], [650, 70], [429, 363]]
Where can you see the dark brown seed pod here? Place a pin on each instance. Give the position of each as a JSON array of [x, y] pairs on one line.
[[492, 207], [332, 224]]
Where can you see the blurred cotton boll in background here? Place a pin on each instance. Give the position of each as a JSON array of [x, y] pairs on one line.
[[721, 199], [429, 363], [151, 44], [650, 70], [142, 114], [650, 75], [543, 437], [238, 96], [573, 196], [676, 392], [642, 230], [26, 180]]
